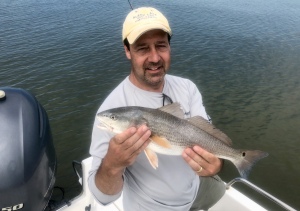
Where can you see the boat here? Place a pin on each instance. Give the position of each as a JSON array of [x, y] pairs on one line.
[[28, 164], [232, 199]]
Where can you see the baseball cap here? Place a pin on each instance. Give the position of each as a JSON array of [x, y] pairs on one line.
[[141, 20]]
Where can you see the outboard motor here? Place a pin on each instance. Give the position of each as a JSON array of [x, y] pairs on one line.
[[27, 155]]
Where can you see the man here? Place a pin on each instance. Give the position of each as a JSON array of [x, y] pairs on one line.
[[119, 163]]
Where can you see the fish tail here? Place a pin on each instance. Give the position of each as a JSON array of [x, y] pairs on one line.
[[247, 160]]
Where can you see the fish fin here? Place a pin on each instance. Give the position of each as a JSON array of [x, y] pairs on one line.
[[205, 125], [174, 109], [152, 157], [161, 141], [247, 160]]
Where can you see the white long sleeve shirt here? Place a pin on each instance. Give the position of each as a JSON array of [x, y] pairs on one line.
[[173, 185]]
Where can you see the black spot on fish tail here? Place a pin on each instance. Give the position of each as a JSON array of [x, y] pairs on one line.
[[247, 160]]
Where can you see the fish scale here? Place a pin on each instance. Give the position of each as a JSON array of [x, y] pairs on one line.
[[183, 133]]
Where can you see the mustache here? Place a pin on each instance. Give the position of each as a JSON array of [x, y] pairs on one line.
[[153, 65]]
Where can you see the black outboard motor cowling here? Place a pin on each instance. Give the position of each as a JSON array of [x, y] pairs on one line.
[[27, 155]]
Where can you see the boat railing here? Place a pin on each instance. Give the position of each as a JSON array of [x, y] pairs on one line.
[[260, 191]]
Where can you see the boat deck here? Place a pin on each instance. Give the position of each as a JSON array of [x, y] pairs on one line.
[[232, 199]]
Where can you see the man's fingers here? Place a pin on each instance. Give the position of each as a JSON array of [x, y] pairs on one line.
[[124, 147], [190, 157], [120, 138], [140, 139], [201, 161], [132, 139], [209, 157]]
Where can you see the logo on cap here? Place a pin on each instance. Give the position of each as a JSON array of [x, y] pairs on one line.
[[144, 15]]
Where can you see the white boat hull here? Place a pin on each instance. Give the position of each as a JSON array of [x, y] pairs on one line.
[[232, 200]]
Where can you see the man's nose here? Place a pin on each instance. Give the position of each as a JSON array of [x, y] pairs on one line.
[[154, 55]]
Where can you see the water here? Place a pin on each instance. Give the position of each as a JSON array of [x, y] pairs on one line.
[[243, 56]]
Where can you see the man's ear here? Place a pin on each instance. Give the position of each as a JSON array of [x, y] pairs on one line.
[[127, 52]]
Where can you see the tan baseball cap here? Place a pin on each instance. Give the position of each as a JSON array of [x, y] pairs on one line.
[[141, 20]]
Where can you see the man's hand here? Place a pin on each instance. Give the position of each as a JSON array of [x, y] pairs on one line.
[[201, 161], [122, 152], [125, 147]]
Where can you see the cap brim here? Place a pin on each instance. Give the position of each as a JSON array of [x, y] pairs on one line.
[[139, 31]]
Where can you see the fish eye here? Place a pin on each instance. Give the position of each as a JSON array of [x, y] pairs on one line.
[[113, 117]]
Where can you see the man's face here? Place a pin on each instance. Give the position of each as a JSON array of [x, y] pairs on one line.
[[150, 60]]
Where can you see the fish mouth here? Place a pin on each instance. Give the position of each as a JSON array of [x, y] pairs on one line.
[[105, 126]]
